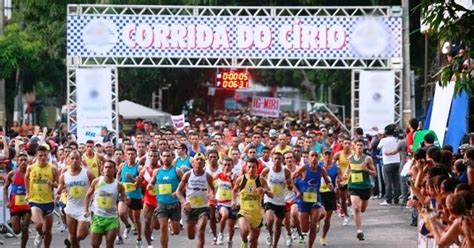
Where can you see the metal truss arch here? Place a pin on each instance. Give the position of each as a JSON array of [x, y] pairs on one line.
[[72, 99]]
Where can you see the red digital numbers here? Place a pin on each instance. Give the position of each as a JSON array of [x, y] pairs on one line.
[[234, 80]]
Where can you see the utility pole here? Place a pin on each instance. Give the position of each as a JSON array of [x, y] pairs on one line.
[[406, 104], [3, 118]]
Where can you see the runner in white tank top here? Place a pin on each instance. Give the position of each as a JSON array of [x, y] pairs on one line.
[[278, 179], [76, 181], [196, 184]]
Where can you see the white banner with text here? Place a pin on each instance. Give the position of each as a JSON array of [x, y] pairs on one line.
[[266, 106], [328, 37], [94, 102]]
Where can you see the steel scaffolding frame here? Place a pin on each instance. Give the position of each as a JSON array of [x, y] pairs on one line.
[[72, 98], [355, 79]]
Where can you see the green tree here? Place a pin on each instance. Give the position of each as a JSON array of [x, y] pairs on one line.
[[449, 21]]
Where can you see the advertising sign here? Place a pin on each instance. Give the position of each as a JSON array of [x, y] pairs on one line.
[[178, 121], [94, 103], [376, 99], [266, 106], [311, 37]]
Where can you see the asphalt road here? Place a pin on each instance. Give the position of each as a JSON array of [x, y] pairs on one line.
[[383, 227]]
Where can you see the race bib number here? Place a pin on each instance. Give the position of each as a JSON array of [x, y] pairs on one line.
[[77, 192], [196, 201], [277, 189], [41, 189], [105, 202], [165, 189], [224, 194], [311, 197], [20, 200], [249, 205], [357, 177], [155, 190], [129, 187]]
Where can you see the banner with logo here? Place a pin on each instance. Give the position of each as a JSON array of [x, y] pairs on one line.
[[376, 99], [441, 106], [266, 106], [156, 36], [94, 102], [178, 121]]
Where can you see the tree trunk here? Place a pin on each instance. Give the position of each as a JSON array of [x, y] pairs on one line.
[[309, 87]]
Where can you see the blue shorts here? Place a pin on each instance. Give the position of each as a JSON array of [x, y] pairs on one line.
[[305, 207], [232, 214], [46, 208]]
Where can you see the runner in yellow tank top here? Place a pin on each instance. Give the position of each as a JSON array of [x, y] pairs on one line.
[[342, 160], [40, 179], [282, 146], [91, 160], [250, 188]]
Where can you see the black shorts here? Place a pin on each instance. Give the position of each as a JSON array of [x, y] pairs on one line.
[[328, 199], [364, 194], [279, 210], [135, 204], [20, 213], [169, 211], [197, 213], [343, 187]]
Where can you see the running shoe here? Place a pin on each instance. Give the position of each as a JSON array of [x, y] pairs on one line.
[[139, 243], [214, 241], [119, 240], [288, 240], [220, 239], [38, 240], [301, 239], [350, 211], [126, 232], [269, 240], [360, 236], [229, 244], [243, 244], [323, 241], [346, 220], [385, 203], [62, 228], [67, 243]]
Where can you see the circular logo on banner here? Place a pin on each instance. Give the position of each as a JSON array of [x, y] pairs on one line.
[[99, 36], [377, 97], [370, 37]]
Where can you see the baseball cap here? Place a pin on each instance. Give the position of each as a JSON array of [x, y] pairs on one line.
[[199, 155]]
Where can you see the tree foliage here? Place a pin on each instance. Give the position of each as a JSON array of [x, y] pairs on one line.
[[449, 21]]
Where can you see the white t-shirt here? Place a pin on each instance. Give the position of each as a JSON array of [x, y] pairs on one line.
[[389, 144]]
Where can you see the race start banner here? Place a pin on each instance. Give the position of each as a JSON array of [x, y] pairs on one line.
[[240, 37], [94, 98], [266, 106]]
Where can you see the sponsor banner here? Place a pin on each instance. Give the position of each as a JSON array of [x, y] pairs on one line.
[[94, 102], [441, 105], [178, 121], [311, 37], [266, 106], [376, 99]]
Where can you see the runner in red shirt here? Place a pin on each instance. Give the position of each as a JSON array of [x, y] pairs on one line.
[[16, 200]]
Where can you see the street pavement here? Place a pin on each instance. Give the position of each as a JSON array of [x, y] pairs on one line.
[[383, 227]]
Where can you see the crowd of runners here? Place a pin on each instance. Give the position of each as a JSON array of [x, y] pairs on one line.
[[287, 176]]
